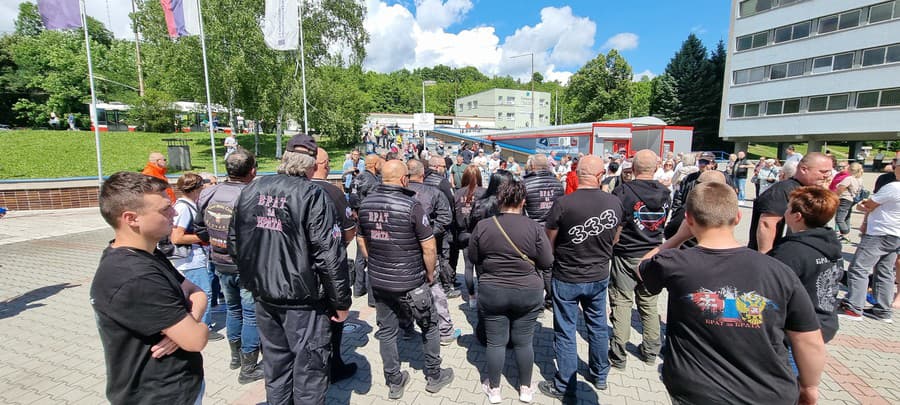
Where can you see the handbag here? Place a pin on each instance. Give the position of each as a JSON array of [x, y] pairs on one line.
[[172, 250], [523, 256]]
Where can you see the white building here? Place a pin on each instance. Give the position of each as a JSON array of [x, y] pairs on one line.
[[812, 71], [510, 109]]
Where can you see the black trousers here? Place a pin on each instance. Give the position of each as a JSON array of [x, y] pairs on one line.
[[446, 274], [296, 346], [390, 307], [509, 315]]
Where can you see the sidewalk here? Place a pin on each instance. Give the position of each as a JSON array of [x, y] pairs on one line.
[[52, 352]]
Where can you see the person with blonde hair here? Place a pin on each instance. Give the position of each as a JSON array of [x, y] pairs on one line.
[[847, 190]]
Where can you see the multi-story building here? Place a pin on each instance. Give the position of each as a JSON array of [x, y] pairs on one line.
[[509, 108], [812, 71]]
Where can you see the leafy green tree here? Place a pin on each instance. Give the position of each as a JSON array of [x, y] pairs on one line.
[[28, 22], [639, 104], [664, 101], [600, 90], [338, 106]]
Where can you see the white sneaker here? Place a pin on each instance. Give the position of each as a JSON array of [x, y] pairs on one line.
[[526, 393], [493, 394]]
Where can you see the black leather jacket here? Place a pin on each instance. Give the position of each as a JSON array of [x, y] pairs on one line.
[[287, 247], [362, 185], [542, 189], [435, 205]]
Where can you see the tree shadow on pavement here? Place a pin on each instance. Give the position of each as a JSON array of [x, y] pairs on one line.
[[17, 305], [356, 335]]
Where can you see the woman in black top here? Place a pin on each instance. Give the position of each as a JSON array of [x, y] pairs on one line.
[[485, 207], [464, 198], [507, 250]]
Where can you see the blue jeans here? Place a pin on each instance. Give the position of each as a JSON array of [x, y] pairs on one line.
[[741, 183], [240, 320], [200, 277], [566, 299]]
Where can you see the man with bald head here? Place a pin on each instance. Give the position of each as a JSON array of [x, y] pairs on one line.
[[677, 218], [157, 165], [646, 203], [396, 238], [582, 228], [542, 189], [767, 224]]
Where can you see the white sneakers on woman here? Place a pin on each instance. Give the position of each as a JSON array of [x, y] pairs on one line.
[[526, 393]]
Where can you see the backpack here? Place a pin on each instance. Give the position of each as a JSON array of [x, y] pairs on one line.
[[176, 251]]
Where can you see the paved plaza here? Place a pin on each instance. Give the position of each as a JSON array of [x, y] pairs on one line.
[[51, 352]]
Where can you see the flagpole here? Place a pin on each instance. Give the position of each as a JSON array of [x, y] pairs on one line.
[[303, 66], [212, 138], [94, 117]]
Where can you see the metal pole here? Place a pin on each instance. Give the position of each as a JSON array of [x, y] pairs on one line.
[[423, 97], [303, 67], [532, 90], [212, 137], [94, 117], [137, 47]]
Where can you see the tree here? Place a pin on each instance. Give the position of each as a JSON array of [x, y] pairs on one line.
[[338, 105], [537, 77], [600, 90], [664, 102], [639, 103], [28, 22]]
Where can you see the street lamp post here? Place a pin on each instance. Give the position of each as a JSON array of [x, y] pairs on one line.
[[532, 81], [425, 134]]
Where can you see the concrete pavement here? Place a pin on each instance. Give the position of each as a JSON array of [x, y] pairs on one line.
[[52, 354]]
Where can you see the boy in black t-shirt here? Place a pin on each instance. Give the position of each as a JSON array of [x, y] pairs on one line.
[[147, 313], [728, 312]]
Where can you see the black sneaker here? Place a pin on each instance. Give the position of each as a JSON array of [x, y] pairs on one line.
[[647, 359], [343, 372], [548, 388], [442, 380], [618, 365], [214, 336], [396, 391], [601, 386], [868, 313], [453, 293]]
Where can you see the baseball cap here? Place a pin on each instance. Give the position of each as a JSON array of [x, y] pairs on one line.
[[707, 156], [626, 165], [303, 141]]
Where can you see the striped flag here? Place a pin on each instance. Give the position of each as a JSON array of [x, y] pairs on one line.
[[59, 14], [281, 28], [182, 17]]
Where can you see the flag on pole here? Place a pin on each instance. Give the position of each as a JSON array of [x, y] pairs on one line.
[[182, 17], [281, 27], [60, 14]]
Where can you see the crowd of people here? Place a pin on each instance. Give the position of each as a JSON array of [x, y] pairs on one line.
[[568, 234]]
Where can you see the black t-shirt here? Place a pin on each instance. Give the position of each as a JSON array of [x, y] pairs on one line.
[[646, 204], [740, 172], [587, 221], [728, 310], [342, 211], [135, 296], [773, 201], [498, 263], [883, 180]]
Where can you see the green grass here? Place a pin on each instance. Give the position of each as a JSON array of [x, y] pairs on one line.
[[769, 151], [30, 154]]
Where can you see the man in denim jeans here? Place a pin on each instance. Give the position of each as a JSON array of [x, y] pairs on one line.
[[877, 251], [216, 204], [582, 227]]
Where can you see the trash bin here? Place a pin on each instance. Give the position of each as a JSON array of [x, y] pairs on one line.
[[179, 154]]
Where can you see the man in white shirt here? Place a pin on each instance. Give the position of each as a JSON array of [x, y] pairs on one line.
[[877, 251], [793, 156]]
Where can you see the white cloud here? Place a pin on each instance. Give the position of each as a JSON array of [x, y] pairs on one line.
[[622, 41], [638, 76], [400, 41], [437, 14], [698, 29]]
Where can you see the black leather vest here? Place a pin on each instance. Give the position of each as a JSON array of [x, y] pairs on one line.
[[542, 189], [395, 254]]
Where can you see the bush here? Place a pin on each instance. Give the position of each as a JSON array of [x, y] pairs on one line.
[[153, 112]]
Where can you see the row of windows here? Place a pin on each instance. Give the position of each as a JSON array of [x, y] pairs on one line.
[[512, 116], [751, 7], [831, 102], [822, 64], [823, 25]]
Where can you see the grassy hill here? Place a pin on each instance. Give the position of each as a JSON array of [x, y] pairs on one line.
[[30, 154]]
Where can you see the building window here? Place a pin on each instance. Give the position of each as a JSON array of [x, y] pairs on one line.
[[828, 24], [817, 103], [750, 75], [842, 61], [541, 102], [499, 99], [751, 7], [737, 110], [873, 56], [849, 19], [751, 110], [499, 115], [791, 32], [757, 40], [461, 106], [791, 106], [890, 98], [881, 12], [822, 65], [779, 71], [510, 116], [838, 102], [774, 107], [475, 105], [867, 100], [893, 54], [510, 100]]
